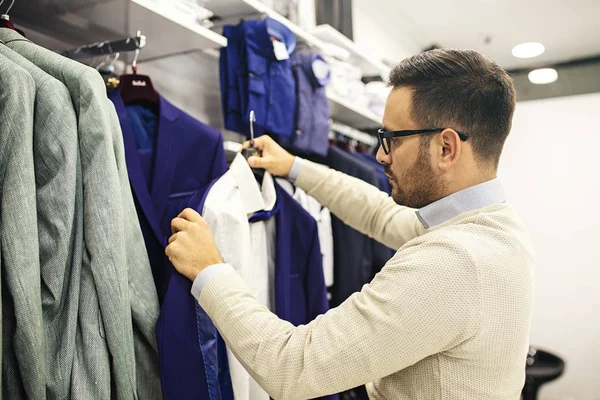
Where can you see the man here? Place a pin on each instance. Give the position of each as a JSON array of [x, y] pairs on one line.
[[448, 316]]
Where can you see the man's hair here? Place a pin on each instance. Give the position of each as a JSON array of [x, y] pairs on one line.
[[462, 90]]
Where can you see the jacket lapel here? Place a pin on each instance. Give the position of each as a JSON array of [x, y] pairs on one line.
[[134, 168], [165, 159]]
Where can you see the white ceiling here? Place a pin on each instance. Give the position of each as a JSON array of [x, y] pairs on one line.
[[569, 29]]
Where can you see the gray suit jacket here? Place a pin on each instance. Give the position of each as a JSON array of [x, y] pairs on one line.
[[22, 333], [59, 195], [115, 261]]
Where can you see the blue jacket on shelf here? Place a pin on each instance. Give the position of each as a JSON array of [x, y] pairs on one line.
[[311, 132], [256, 74]]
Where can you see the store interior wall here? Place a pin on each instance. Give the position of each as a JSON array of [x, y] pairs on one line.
[[550, 172], [191, 83], [377, 33]]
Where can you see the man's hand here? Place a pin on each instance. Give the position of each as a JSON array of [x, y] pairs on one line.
[[275, 160], [192, 246]]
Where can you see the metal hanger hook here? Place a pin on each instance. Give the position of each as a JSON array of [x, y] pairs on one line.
[[104, 62], [135, 59], [9, 7], [137, 52], [115, 58]]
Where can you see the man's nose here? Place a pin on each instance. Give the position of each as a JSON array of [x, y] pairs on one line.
[[383, 158]]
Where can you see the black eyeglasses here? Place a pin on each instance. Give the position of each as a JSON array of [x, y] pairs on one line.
[[386, 136]]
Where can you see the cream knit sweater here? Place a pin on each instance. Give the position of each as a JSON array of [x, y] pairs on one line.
[[447, 317]]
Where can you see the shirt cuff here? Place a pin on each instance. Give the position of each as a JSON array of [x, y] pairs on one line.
[[207, 274], [296, 168]]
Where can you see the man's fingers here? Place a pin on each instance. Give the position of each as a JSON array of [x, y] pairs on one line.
[[259, 143], [179, 224], [173, 237], [190, 215], [258, 162], [169, 251]]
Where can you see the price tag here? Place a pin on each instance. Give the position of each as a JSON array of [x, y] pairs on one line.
[[280, 50]]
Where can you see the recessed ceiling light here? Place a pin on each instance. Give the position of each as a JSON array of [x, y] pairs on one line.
[[542, 76], [528, 50]]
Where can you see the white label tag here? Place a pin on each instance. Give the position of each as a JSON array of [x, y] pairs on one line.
[[280, 50], [138, 83], [320, 69]]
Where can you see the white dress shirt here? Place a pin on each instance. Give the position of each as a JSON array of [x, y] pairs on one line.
[[248, 248]]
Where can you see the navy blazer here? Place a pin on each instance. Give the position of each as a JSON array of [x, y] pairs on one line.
[[170, 158], [300, 291], [188, 155], [352, 251]]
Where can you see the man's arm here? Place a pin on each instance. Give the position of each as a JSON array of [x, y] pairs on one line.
[[355, 202], [415, 307], [359, 204]]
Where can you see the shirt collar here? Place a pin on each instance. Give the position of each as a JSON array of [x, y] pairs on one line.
[[470, 199], [255, 198], [259, 35]]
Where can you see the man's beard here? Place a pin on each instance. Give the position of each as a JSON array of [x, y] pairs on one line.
[[419, 186]]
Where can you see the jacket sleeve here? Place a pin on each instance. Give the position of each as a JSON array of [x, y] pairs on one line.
[[360, 205], [415, 307]]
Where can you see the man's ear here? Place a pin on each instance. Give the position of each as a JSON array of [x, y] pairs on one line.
[[450, 148]]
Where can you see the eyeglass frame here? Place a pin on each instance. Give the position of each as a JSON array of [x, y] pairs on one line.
[[387, 135]]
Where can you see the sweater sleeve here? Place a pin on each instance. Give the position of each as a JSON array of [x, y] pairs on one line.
[[424, 301], [360, 205]]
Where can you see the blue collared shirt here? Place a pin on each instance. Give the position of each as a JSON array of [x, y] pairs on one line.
[[259, 78], [470, 199], [311, 73]]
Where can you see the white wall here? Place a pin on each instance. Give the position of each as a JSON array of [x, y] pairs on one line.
[[377, 30], [551, 171]]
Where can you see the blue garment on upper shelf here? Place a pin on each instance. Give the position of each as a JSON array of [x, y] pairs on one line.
[[170, 158], [231, 64], [253, 78], [311, 132]]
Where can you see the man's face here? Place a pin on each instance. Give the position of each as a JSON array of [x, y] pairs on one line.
[[409, 165]]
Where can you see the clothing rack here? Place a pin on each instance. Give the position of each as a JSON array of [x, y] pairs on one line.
[[106, 48], [355, 134]]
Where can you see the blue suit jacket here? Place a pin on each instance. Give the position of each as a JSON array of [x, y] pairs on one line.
[[167, 167], [300, 291], [352, 251]]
